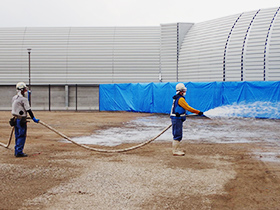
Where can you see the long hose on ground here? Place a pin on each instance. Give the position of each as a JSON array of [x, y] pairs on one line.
[[91, 148], [10, 139], [105, 150]]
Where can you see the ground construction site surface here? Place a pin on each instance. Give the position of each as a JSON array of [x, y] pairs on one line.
[[60, 175]]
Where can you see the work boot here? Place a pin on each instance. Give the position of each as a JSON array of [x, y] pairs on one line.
[[21, 155], [176, 151]]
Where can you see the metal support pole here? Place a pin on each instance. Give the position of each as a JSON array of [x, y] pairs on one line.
[[66, 96], [76, 97], [29, 71], [49, 97]]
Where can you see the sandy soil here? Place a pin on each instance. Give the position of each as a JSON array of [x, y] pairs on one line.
[[59, 175]]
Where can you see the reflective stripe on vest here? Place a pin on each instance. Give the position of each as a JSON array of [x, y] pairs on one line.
[[177, 110]]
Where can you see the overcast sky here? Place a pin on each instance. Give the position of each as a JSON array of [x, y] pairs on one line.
[[22, 13]]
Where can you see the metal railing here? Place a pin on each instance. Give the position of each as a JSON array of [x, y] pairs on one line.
[[56, 97]]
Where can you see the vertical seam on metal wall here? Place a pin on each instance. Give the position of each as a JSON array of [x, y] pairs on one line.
[[22, 45], [113, 54], [244, 45], [160, 57], [266, 43], [67, 53], [177, 53], [226, 45]]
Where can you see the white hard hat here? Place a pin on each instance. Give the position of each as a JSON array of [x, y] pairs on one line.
[[20, 85], [181, 87]]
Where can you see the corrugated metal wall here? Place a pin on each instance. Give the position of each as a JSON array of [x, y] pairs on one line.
[[202, 52], [239, 47], [272, 58], [91, 55], [136, 54], [168, 52], [235, 43], [242, 47], [48, 55], [113, 55], [201, 55], [11, 58], [172, 36]]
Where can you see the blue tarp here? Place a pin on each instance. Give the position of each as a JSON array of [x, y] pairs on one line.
[[157, 97]]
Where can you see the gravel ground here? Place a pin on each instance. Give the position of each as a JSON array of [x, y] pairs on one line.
[[60, 175]]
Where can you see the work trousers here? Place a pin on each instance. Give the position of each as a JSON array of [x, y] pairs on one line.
[[177, 128], [20, 137]]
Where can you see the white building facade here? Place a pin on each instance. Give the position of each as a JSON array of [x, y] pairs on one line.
[[241, 47]]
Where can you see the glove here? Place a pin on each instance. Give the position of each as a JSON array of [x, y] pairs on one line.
[[35, 120], [200, 113]]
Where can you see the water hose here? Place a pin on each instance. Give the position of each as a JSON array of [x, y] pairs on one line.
[[10, 139], [105, 150], [91, 148]]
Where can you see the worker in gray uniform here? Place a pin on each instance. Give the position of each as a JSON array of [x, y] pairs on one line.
[[20, 107]]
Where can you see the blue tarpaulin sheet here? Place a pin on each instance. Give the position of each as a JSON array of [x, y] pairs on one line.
[[157, 97]]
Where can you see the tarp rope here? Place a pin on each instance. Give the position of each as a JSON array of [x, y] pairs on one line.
[[105, 150]]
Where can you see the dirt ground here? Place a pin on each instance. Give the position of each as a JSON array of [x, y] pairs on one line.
[[60, 175]]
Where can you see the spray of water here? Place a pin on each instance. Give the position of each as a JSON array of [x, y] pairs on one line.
[[254, 110], [230, 124]]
